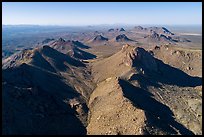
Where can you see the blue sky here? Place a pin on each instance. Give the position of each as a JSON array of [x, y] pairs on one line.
[[96, 13]]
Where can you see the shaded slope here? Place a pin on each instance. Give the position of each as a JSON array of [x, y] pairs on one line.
[[73, 48], [44, 86], [119, 108], [44, 57], [122, 62], [187, 60], [122, 29], [142, 62], [80, 54], [150, 76], [161, 30], [155, 37], [99, 38], [122, 38], [36, 107], [160, 119], [111, 113]]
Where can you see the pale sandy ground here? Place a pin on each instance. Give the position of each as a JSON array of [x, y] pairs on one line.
[[194, 34]]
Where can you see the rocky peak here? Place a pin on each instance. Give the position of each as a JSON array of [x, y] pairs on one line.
[[61, 40], [110, 30], [122, 37], [100, 38], [125, 47], [139, 28], [139, 58], [154, 35], [122, 29], [165, 30]]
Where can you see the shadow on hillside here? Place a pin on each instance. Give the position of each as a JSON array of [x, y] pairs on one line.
[[59, 59], [173, 76], [47, 113], [166, 74], [80, 45], [78, 53], [157, 114]]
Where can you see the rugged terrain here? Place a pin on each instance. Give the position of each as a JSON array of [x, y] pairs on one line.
[[116, 81]]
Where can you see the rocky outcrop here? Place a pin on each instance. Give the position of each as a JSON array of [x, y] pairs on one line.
[[43, 86], [127, 58], [160, 30], [122, 29], [138, 57], [100, 38], [111, 113], [110, 30], [139, 28], [72, 48], [122, 38]]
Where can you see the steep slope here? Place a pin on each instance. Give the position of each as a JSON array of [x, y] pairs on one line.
[[72, 48], [139, 28], [51, 60], [110, 30], [122, 62], [44, 57], [140, 72], [30, 106], [155, 37], [100, 38], [122, 29], [111, 113], [161, 30], [44, 86], [119, 108], [189, 61], [116, 30], [122, 38], [159, 35]]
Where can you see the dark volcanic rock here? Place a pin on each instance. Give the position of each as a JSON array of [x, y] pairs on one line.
[[164, 37], [73, 48], [122, 38], [110, 30], [122, 29], [139, 28], [160, 30], [80, 45], [99, 38], [155, 37], [80, 54], [61, 40], [165, 30]]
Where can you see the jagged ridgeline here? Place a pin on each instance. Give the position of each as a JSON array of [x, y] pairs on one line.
[[114, 81]]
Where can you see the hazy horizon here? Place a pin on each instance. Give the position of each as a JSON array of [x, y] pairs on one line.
[[101, 13], [87, 25]]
